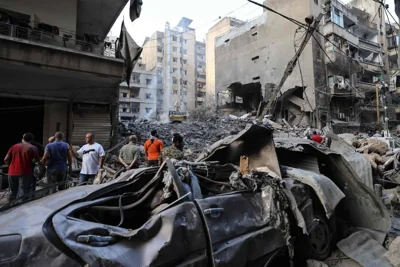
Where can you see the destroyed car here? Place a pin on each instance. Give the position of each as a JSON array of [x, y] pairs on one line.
[[244, 202]]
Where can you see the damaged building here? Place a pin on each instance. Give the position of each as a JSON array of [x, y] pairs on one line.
[[337, 74], [179, 62], [54, 75]]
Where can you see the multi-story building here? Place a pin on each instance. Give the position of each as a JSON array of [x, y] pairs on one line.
[[139, 99], [54, 75], [172, 55], [338, 71], [201, 88], [221, 27]]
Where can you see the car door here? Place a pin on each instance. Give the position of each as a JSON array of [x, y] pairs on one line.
[[240, 227], [172, 237]]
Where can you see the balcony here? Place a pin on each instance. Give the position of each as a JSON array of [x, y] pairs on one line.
[[339, 60], [366, 87], [369, 45], [332, 28], [393, 52], [57, 67], [371, 66]]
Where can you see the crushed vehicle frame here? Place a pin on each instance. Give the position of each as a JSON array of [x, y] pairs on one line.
[[205, 213]]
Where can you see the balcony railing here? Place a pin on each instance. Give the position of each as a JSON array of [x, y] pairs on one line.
[[60, 39]]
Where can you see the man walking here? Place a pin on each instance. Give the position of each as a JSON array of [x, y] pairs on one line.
[[55, 156], [173, 152], [92, 158], [20, 158], [130, 153], [152, 149]]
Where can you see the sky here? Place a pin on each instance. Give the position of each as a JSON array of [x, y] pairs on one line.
[[204, 13]]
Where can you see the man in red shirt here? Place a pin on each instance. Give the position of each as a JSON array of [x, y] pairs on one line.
[[20, 158], [317, 138]]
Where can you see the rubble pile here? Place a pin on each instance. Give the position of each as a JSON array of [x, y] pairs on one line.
[[384, 159]]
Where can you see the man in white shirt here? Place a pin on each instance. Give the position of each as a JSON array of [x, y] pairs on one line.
[[92, 155]]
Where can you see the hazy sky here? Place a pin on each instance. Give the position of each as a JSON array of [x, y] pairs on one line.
[[204, 13]]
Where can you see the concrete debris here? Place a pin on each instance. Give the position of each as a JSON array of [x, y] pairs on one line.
[[315, 263], [361, 247], [393, 255]]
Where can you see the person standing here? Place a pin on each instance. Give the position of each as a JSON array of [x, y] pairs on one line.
[[130, 153], [32, 185], [317, 138], [173, 152], [92, 155], [20, 158], [152, 149], [56, 155]]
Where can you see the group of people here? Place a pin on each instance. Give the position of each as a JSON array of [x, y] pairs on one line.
[[57, 156], [156, 154]]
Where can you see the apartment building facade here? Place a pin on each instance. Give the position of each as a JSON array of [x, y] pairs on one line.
[[338, 87], [201, 88], [54, 75], [172, 54], [139, 99]]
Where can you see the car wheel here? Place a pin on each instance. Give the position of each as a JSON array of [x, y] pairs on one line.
[[320, 239]]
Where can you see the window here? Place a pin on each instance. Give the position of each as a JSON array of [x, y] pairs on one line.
[[148, 96], [174, 70], [135, 77], [200, 66], [124, 110], [148, 81], [184, 93], [185, 72], [184, 82], [135, 107], [185, 41], [175, 92], [184, 61], [175, 60], [159, 49], [159, 71], [174, 49], [184, 51], [149, 110], [174, 80], [124, 94], [316, 1], [337, 17], [159, 80], [159, 59], [174, 38]]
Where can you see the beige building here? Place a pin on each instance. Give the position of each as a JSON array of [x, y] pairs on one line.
[[139, 100], [222, 27], [54, 73], [172, 55]]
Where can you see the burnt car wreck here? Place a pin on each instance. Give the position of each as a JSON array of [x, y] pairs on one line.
[[247, 201]]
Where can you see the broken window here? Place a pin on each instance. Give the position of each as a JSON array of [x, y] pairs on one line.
[[316, 2], [135, 91], [174, 38], [148, 81], [174, 80], [184, 51], [148, 96], [159, 49], [159, 71], [159, 80], [159, 59], [135, 107], [124, 95], [175, 92], [184, 61], [174, 49], [149, 110], [135, 78], [175, 60], [174, 70]]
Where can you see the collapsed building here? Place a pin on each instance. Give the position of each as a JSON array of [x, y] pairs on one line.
[[338, 72]]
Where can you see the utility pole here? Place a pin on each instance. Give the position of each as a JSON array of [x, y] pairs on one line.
[[271, 104], [377, 104]]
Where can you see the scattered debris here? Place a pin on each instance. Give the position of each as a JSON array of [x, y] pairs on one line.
[[392, 255]]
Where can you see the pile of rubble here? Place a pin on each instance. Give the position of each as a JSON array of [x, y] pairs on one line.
[[381, 154]]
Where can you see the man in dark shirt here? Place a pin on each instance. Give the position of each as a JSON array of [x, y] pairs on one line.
[[56, 155], [20, 158], [32, 185]]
